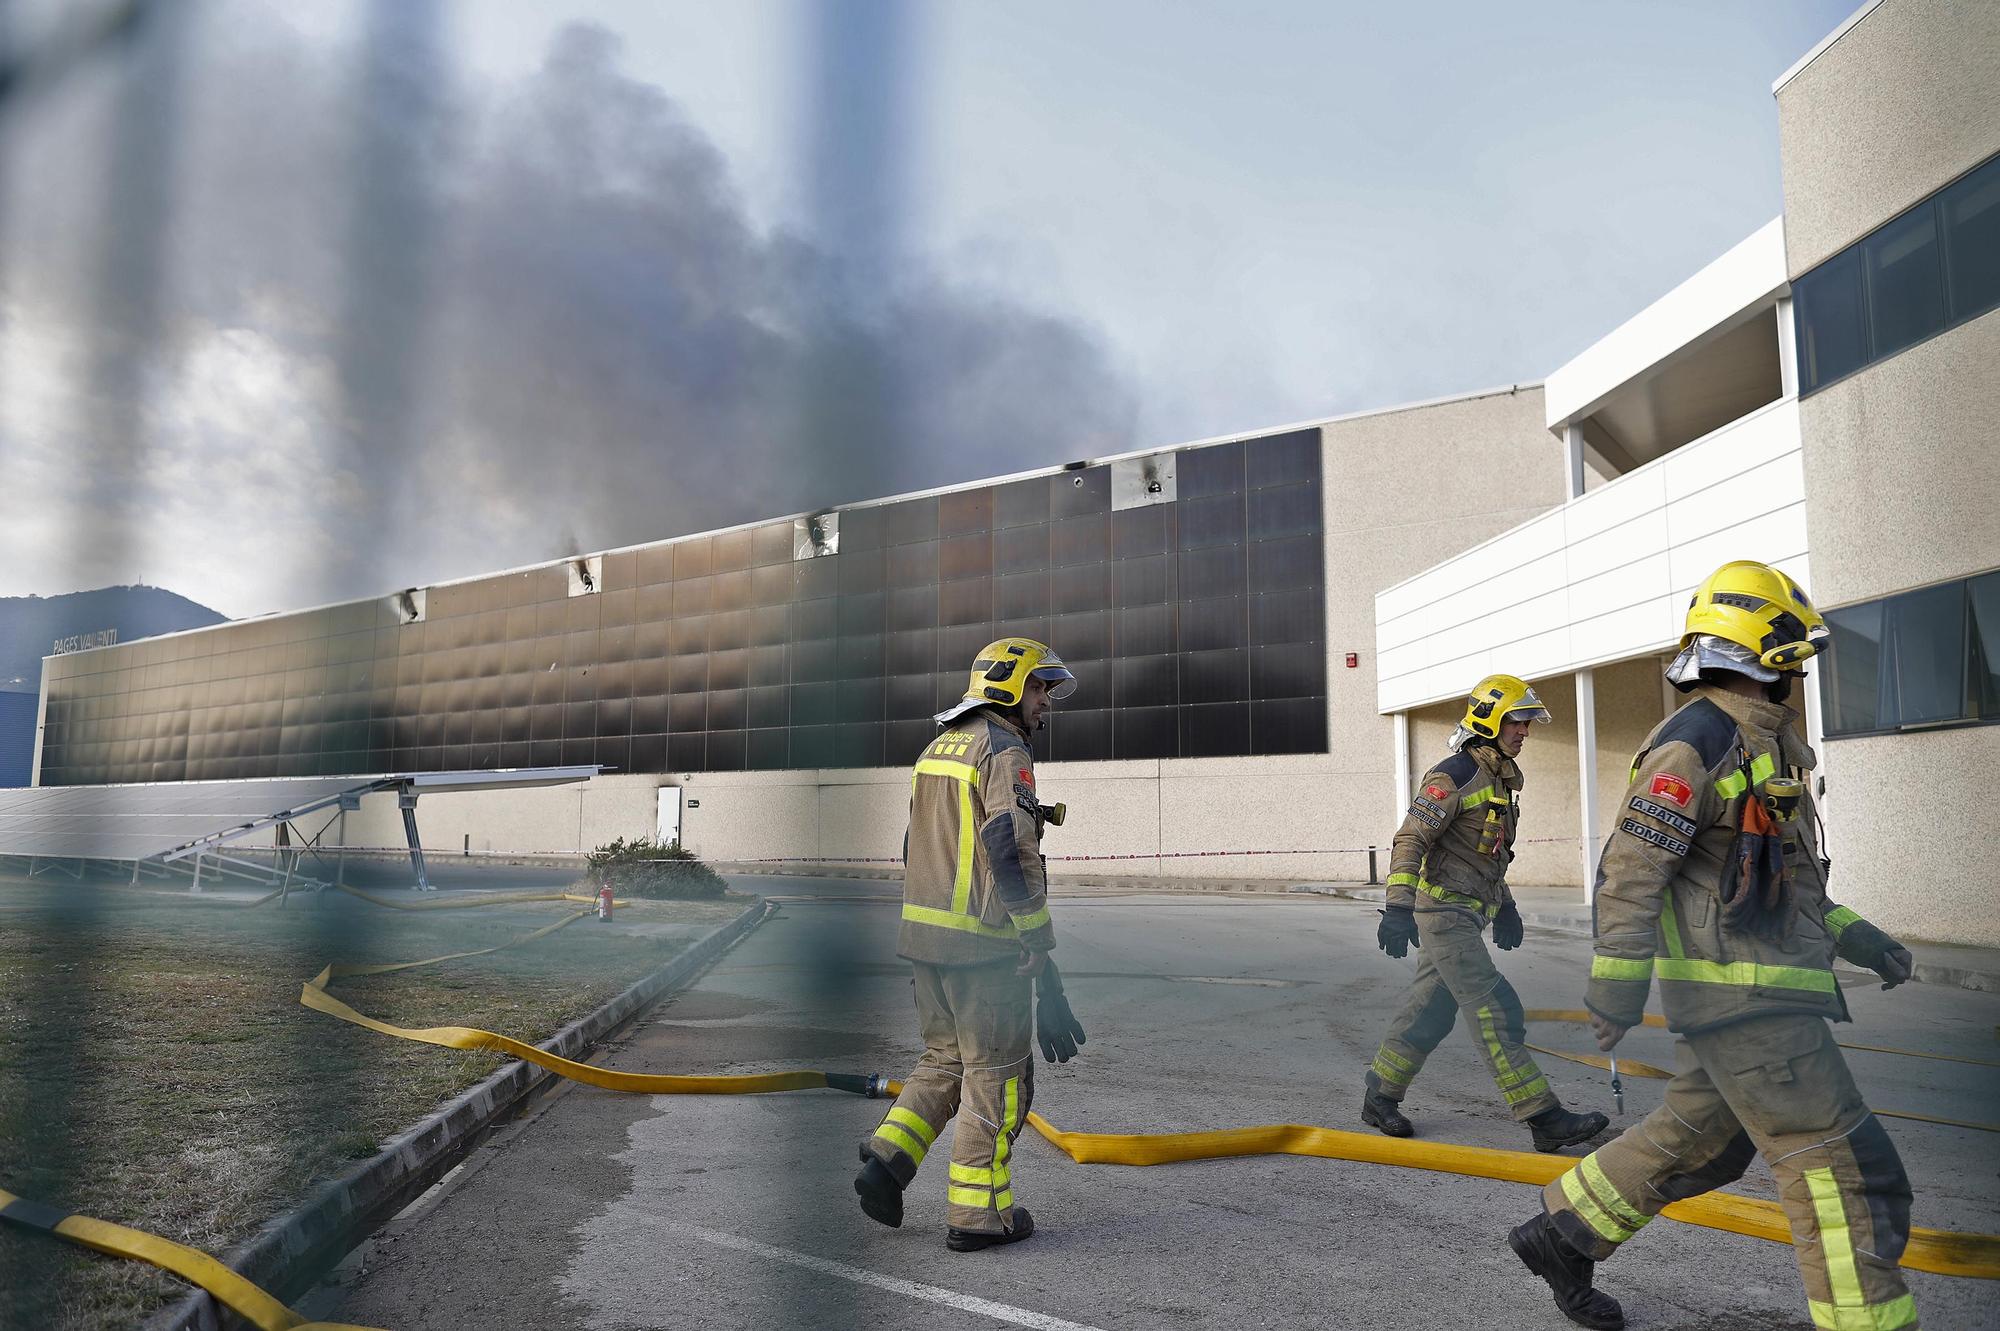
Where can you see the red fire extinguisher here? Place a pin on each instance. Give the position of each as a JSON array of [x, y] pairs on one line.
[[604, 903]]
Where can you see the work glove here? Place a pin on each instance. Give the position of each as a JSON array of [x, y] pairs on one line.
[[1056, 1027], [1397, 933], [1507, 928], [1895, 965]]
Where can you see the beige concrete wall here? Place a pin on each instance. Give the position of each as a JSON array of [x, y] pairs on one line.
[[1909, 832], [1901, 468], [1903, 102], [1631, 700], [1404, 491]]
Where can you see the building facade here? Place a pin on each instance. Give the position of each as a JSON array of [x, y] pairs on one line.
[[1821, 398], [1274, 632], [777, 679]]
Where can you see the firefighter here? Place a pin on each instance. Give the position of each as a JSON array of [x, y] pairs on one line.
[[1712, 881], [976, 929], [1447, 882]]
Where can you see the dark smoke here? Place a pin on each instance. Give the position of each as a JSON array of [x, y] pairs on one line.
[[502, 313]]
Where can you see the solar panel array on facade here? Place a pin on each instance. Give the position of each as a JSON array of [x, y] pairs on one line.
[[1196, 622]]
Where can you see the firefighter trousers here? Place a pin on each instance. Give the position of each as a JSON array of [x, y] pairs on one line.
[[1775, 1086], [978, 1024], [1455, 974]]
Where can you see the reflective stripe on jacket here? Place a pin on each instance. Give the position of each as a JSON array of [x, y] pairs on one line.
[[974, 890], [1658, 903], [1453, 847]]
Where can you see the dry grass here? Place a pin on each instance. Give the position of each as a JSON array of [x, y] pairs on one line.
[[156, 1068]]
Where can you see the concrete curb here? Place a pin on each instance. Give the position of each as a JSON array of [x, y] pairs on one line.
[[291, 1251], [1927, 972]]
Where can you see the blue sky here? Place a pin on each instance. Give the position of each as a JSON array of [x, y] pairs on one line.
[[640, 268]]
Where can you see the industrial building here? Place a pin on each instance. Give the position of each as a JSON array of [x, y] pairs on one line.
[[1272, 630]]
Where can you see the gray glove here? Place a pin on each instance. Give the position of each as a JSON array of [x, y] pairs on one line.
[[1056, 1027], [1895, 965]]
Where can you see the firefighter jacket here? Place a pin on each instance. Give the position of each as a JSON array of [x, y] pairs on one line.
[[1658, 903], [1453, 847], [974, 889]]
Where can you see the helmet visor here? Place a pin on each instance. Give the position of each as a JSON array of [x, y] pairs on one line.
[[1056, 675], [1528, 709]]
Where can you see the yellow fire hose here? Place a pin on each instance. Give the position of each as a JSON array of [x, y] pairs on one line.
[[1940, 1252], [189, 1264]]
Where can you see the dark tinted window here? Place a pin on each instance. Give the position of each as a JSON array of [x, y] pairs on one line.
[[1970, 213], [1905, 282], [1931, 267], [1923, 658]]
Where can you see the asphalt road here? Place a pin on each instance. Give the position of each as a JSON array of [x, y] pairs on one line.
[[611, 1212]]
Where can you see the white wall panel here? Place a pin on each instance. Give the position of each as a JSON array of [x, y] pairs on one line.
[[1619, 546], [1603, 577], [1760, 437], [1617, 503], [1593, 595]]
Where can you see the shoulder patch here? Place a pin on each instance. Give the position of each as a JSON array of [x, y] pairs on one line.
[[1664, 840], [1458, 769], [1703, 727]]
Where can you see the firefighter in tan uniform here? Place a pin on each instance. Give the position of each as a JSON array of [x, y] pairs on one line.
[[976, 929], [1712, 882], [1447, 882]]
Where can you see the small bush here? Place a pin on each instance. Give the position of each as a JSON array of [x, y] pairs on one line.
[[643, 867]]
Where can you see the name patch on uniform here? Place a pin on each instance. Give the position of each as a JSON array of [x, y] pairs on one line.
[[1427, 812], [1654, 835], [1667, 786], [1685, 826]]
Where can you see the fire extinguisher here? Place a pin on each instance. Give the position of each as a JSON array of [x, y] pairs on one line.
[[604, 903]]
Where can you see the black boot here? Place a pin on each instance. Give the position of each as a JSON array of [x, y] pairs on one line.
[[1567, 1272], [1379, 1111], [881, 1194], [1558, 1127], [972, 1240]]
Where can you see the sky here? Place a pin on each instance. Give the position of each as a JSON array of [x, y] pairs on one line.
[[310, 301]]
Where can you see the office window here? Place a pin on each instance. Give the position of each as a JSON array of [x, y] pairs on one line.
[[1929, 268], [1970, 213], [1925, 658], [1905, 282]]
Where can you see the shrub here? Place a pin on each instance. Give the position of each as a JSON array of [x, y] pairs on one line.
[[643, 867]]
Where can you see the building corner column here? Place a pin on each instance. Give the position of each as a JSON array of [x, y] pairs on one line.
[[1586, 777], [1402, 720], [1788, 350]]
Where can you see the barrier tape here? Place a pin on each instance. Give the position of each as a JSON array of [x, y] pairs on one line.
[[1154, 855]]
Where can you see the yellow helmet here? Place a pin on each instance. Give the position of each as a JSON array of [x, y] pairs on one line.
[[1000, 675], [1760, 609], [1496, 698]]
